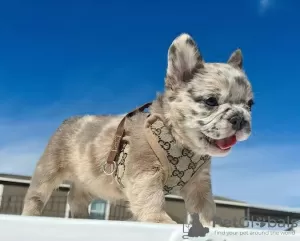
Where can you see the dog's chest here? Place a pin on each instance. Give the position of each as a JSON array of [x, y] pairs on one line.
[[180, 163]]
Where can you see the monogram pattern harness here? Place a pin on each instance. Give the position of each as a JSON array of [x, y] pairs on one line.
[[180, 163]]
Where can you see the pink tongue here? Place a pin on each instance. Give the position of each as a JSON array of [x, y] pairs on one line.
[[226, 142]]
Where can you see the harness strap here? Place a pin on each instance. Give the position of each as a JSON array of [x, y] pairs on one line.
[[159, 152], [115, 147]]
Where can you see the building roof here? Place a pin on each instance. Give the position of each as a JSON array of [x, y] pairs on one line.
[[218, 199], [231, 202], [23, 179], [15, 176], [227, 199]]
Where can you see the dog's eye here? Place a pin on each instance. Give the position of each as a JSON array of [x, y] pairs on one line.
[[212, 101], [250, 104]]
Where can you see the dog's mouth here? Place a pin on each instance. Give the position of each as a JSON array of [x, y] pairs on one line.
[[223, 144]]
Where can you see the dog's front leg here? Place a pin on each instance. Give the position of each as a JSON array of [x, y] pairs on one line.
[[205, 207], [199, 199], [146, 198]]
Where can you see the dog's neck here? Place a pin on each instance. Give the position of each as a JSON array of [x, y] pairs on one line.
[[160, 107]]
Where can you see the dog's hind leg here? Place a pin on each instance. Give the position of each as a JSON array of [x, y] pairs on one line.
[[48, 175], [79, 200]]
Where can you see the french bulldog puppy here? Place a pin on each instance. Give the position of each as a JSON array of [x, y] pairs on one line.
[[204, 110]]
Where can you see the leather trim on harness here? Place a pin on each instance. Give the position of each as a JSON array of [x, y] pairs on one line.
[[110, 165]]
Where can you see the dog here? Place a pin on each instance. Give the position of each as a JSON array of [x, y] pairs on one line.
[[203, 112]]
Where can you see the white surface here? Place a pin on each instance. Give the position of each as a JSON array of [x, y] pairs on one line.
[[18, 228]]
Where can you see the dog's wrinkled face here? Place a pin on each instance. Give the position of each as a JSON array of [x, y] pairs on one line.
[[208, 104]]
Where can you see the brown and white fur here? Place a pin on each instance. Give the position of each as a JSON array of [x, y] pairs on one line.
[[198, 104]]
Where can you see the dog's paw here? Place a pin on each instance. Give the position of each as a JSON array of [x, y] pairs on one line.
[[207, 214], [206, 222], [160, 218]]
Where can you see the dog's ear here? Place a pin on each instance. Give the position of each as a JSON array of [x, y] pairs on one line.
[[236, 59], [184, 60]]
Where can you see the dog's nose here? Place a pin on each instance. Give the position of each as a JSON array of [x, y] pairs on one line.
[[237, 122]]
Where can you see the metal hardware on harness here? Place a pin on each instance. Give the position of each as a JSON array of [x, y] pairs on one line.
[[112, 170]]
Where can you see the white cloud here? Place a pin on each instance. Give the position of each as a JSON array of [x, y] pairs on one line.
[[23, 138], [22, 142], [265, 175], [20, 157]]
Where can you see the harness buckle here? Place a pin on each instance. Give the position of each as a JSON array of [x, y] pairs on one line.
[[109, 168]]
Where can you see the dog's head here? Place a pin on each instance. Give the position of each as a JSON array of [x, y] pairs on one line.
[[208, 105]]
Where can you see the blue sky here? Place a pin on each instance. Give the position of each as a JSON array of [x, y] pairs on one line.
[[63, 58]]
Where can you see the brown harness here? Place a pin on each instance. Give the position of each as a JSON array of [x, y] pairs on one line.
[[110, 165]]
